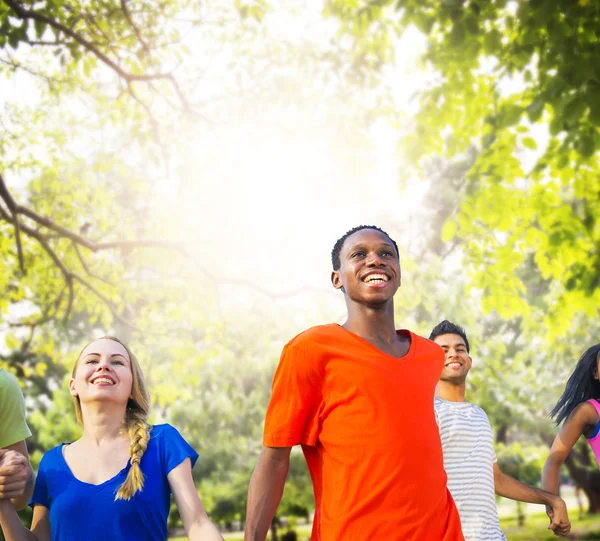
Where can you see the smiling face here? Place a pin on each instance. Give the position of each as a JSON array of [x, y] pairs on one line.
[[102, 373], [369, 268], [457, 362]]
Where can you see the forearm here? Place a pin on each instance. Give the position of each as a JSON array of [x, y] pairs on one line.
[[551, 476], [204, 530], [264, 495], [508, 487], [12, 526], [21, 501]]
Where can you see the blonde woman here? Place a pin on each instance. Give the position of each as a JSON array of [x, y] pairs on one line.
[[114, 483]]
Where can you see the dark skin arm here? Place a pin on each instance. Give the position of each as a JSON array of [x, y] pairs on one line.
[[582, 421], [265, 491], [508, 487]]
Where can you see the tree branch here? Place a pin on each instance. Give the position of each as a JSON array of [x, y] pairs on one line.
[[23, 13], [133, 25], [82, 241], [86, 268], [107, 302]]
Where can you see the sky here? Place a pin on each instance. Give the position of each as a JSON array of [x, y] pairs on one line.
[[263, 201]]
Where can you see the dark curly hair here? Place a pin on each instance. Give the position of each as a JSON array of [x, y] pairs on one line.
[[337, 247]]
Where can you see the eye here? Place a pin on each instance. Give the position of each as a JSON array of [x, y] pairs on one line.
[[91, 361], [387, 253], [118, 361], [358, 254]]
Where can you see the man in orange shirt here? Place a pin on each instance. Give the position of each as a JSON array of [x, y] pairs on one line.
[[359, 399]]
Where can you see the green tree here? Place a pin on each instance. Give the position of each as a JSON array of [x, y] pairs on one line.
[[520, 81]]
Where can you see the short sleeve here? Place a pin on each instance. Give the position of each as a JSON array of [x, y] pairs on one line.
[[174, 449], [296, 399], [40, 494], [13, 426]]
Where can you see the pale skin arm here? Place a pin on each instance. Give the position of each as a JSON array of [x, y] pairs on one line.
[[508, 487], [198, 526], [265, 491], [14, 530], [16, 475]]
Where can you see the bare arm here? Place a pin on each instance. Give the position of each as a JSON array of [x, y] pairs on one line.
[[13, 528], [508, 487], [16, 476], [582, 417], [20, 501], [265, 491], [198, 526]]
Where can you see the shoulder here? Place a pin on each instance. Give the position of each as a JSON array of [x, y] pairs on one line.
[[478, 410], [424, 343], [9, 386], [52, 458], [584, 413], [163, 431], [315, 336]]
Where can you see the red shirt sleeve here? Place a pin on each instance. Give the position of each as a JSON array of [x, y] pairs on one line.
[[296, 398]]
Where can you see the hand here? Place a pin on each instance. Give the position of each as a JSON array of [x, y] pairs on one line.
[[14, 472], [559, 518]]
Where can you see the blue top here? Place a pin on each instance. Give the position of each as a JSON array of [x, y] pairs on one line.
[[81, 510]]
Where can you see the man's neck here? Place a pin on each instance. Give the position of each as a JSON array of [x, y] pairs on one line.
[[451, 391], [372, 324]]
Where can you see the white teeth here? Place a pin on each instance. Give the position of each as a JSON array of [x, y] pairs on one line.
[[376, 278], [103, 380]]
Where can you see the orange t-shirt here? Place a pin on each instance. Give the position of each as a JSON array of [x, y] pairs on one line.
[[367, 427]]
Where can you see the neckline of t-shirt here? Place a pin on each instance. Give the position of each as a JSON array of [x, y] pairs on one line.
[[409, 354], [68, 468], [454, 403]]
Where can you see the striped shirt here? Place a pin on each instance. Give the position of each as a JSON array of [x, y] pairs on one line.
[[469, 457]]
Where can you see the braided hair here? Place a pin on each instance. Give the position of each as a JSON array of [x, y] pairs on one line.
[[135, 424]]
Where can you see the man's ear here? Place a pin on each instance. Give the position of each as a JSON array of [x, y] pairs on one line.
[[336, 280]]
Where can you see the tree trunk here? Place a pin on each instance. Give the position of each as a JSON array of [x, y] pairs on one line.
[[520, 514], [274, 525], [588, 480]]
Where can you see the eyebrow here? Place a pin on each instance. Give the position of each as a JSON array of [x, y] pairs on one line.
[[361, 245], [456, 345], [113, 355]]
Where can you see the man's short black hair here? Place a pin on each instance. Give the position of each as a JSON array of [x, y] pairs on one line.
[[447, 327], [337, 247]]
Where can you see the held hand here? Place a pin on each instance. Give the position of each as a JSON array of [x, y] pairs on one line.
[[14, 468], [559, 518]]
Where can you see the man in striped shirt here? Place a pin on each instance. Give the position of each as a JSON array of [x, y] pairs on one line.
[[469, 458]]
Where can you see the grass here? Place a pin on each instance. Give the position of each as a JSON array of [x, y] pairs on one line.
[[535, 529]]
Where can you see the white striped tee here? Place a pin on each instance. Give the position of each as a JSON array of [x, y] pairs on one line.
[[469, 457]]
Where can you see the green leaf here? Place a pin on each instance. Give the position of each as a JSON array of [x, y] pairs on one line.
[[449, 230], [586, 145], [535, 109], [573, 111], [529, 142], [492, 42], [40, 28]]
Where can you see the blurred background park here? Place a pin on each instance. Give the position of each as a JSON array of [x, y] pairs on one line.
[[176, 172]]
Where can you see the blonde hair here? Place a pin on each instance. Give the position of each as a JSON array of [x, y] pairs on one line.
[[135, 424]]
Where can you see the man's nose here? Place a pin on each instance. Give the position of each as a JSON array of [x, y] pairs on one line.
[[373, 260]]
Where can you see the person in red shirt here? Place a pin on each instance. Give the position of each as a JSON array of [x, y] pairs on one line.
[[359, 398]]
